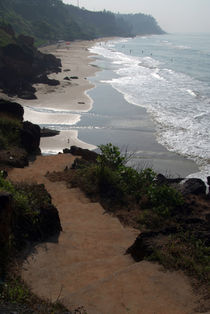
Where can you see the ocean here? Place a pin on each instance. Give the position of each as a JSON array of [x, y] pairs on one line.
[[168, 76]]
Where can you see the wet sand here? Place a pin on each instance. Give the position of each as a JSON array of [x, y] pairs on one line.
[[88, 112]]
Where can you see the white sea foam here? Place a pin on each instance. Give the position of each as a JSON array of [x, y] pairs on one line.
[[177, 102], [52, 117]]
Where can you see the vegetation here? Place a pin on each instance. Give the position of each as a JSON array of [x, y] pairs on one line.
[[29, 214], [112, 180], [10, 129], [142, 24], [51, 20], [138, 199], [15, 297]]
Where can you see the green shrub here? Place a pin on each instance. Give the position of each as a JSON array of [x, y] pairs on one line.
[[20, 199], [9, 132], [164, 200], [14, 292], [111, 157]]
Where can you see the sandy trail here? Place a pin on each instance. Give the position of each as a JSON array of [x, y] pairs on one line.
[[87, 267]]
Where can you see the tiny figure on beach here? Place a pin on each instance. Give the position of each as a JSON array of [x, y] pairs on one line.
[[142, 51], [68, 141], [130, 51]]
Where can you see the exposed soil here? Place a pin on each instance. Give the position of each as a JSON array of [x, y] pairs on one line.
[[88, 266]]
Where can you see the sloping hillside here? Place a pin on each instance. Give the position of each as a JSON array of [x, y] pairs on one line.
[[51, 20]]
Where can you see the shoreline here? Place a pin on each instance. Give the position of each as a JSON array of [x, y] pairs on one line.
[[65, 105], [62, 104], [128, 126]]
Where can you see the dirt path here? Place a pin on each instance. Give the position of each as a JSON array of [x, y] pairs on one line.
[[87, 267]]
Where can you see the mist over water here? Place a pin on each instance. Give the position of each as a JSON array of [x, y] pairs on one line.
[[169, 76]]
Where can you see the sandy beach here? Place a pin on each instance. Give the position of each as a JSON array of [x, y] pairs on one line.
[[62, 104], [88, 112]]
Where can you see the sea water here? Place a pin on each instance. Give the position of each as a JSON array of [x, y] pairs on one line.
[[169, 76]]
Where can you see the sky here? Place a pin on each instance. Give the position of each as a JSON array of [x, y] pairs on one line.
[[174, 16]]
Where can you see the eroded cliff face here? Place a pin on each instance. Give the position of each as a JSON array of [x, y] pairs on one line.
[[22, 65]]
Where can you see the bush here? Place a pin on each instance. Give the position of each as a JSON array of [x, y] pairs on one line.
[[164, 200], [9, 132], [111, 157]]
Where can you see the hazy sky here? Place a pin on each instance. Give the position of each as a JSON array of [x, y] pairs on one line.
[[172, 15]]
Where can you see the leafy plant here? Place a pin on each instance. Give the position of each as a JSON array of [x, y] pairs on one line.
[[9, 131], [111, 157], [163, 199]]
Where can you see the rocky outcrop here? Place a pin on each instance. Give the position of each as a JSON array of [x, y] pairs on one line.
[[15, 154], [12, 109], [48, 132], [22, 65], [40, 221], [6, 210], [30, 137], [13, 157], [84, 153], [192, 218], [193, 186]]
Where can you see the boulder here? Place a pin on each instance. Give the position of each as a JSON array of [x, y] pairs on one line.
[[193, 186], [143, 246]]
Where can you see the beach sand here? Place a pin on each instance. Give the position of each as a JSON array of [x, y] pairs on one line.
[[69, 108], [62, 104]]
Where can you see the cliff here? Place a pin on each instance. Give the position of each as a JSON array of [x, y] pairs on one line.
[[18, 139], [22, 65]]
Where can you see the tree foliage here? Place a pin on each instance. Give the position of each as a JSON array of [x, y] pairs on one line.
[[53, 20]]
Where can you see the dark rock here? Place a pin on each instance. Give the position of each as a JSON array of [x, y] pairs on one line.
[[143, 246], [26, 40], [47, 223], [208, 219], [45, 80], [208, 180], [4, 174], [66, 70], [14, 157], [148, 241], [193, 186], [12, 108], [74, 77], [22, 65], [6, 210], [161, 179], [84, 153], [66, 78], [66, 151], [48, 132], [30, 137], [79, 163]]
